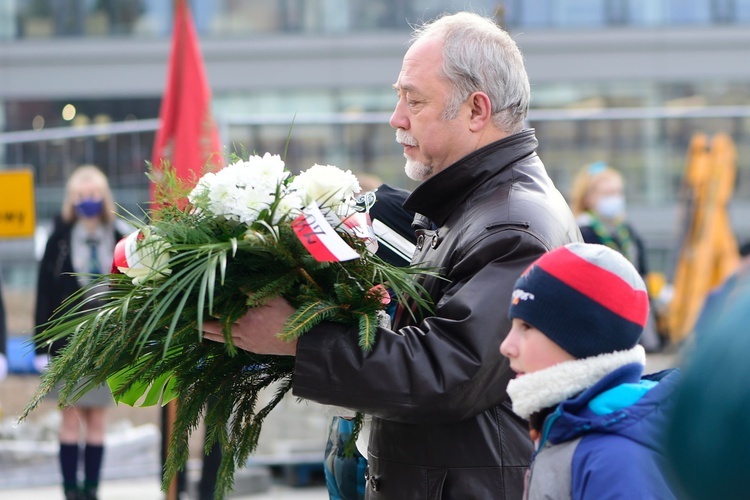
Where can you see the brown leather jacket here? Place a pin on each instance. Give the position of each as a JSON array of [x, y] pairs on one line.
[[442, 424]]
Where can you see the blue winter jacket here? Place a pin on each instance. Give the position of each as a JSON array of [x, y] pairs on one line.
[[606, 442]]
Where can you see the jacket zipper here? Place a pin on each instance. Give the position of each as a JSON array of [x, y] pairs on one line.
[[547, 426]]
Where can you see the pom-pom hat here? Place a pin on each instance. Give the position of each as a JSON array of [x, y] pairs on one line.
[[586, 298]]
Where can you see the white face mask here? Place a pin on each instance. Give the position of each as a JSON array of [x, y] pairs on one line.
[[611, 207]]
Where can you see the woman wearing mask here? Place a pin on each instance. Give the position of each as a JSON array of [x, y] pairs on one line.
[[598, 203], [82, 242]]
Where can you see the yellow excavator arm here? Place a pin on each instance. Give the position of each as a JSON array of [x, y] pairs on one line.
[[708, 251]]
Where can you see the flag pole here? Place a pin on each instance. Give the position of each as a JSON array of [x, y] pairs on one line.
[[171, 418], [186, 141], [169, 413]]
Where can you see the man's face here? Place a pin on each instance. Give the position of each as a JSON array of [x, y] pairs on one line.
[[430, 142]]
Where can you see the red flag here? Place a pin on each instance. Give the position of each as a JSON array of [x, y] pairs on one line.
[[187, 136]]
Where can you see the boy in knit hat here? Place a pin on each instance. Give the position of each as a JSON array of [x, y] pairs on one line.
[[577, 314]]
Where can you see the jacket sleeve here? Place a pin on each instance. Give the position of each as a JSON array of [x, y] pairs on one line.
[[614, 467], [45, 293], [447, 368]]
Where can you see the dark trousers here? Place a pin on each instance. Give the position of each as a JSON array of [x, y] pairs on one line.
[[209, 469]]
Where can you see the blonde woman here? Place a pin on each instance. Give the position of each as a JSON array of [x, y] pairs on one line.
[[81, 246]]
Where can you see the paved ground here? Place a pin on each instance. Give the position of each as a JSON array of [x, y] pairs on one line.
[[148, 489], [134, 475]]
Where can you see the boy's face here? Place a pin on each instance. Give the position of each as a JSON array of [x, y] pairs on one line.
[[530, 350]]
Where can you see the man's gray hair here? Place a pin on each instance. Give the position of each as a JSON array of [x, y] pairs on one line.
[[479, 56]]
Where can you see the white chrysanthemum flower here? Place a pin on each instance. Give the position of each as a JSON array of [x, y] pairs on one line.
[[242, 191], [289, 206], [251, 203], [200, 192], [223, 196], [268, 167], [327, 185]]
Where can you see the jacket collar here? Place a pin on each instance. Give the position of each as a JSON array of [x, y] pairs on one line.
[[439, 196], [538, 390], [636, 421]]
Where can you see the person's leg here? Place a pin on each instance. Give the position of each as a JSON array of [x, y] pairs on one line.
[[180, 478], [69, 434], [209, 471], [95, 419], [93, 453]]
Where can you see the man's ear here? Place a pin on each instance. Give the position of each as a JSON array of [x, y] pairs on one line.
[[481, 111]]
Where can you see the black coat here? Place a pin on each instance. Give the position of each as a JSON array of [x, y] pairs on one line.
[[442, 423], [590, 236], [56, 282]]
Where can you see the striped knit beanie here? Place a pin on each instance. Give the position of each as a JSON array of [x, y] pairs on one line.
[[586, 298]]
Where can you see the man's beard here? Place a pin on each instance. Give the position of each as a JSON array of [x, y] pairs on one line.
[[417, 171]]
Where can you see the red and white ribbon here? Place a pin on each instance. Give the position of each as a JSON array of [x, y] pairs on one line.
[[126, 252], [320, 238]]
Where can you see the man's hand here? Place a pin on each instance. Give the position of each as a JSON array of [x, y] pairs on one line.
[[258, 330]]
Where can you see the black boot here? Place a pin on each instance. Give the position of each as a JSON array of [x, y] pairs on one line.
[[88, 493], [72, 494]]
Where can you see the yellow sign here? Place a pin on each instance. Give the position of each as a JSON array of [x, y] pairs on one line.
[[17, 216]]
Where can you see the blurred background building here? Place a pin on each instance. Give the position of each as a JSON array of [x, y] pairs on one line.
[[627, 82]]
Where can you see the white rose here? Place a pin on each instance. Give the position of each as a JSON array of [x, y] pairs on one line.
[[143, 256], [327, 185]]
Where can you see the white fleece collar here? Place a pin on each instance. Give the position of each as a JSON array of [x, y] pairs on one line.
[[538, 390]]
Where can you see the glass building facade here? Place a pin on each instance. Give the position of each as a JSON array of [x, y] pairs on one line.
[[227, 18], [624, 81]]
